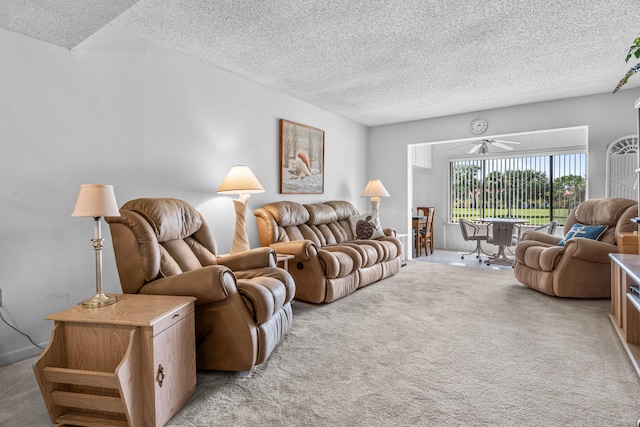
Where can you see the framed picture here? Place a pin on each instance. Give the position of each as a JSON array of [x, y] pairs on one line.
[[301, 159]]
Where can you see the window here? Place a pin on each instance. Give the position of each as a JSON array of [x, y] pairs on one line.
[[535, 188]]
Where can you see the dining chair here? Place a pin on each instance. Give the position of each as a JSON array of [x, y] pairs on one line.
[[474, 232], [426, 233], [548, 228], [419, 227]]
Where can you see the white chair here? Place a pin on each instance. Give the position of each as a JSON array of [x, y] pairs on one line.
[[474, 232], [549, 227]]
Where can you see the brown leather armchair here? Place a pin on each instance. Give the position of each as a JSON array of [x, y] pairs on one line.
[[582, 267], [243, 307]]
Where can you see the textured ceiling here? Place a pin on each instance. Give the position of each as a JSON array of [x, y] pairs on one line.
[[374, 61]]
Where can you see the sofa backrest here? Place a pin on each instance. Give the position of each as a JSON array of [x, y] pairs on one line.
[[615, 213], [159, 237], [322, 223]]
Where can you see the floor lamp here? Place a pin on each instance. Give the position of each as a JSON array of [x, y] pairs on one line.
[[97, 200], [375, 190], [240, 180]]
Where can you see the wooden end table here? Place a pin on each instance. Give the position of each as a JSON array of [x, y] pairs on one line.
[[283, 260], [131, 363]]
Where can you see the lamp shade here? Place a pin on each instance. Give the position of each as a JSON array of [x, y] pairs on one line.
[[96, 200], [240, 180], [375, 189]]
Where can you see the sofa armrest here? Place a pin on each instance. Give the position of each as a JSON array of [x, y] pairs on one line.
[[589, 250], [539, 256], [389, 232], [300, 249], [262, 301], [253, 258], [208, 284], [540, 237]]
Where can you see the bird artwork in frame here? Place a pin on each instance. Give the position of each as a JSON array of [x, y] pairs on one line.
[[301, 159]]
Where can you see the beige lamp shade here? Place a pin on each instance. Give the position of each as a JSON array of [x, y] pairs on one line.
[[240, 180], [375, 189], [96, 200]]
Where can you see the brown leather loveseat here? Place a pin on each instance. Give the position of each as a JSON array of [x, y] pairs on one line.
[[329, 261], [581, 267]]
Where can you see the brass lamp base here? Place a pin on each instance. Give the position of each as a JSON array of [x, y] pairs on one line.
[[99, 300]]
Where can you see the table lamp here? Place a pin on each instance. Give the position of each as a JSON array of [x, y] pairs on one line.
[[375, 190], [240, 180], [97, 200]]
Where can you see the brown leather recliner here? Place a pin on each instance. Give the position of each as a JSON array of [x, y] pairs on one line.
[[243, 308], [582, 267]]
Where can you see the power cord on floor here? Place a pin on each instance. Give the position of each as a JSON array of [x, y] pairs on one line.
[[19, 331]]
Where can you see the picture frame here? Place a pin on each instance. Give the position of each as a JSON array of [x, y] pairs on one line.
[[301, 159]]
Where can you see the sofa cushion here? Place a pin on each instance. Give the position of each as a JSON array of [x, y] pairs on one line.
[[593, 232], [319, 213], [343, 209], [366, 226], [287, 213]]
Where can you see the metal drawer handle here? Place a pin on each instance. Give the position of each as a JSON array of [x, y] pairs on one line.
[[160, 375]]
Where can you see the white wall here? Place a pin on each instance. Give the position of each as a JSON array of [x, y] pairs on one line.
[[153, 123], [607, 116]]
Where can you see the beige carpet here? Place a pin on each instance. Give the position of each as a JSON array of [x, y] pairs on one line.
[[434, 345]]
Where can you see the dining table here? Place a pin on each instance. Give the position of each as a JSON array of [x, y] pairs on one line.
[[501, 233]]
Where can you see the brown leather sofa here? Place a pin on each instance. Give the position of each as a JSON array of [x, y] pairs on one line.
[[329, 261], [243, 307], [582, 267]]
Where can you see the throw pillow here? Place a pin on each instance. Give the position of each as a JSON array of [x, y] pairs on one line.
[[592, 232], [366, 226]]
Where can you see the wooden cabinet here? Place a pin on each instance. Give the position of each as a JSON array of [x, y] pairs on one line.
[[625, 307], [131, 363]]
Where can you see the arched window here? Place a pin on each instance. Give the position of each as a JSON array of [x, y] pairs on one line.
[[622, 161]]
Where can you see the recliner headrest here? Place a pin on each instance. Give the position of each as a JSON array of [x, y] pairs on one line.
[[602, 211], [171, 219]]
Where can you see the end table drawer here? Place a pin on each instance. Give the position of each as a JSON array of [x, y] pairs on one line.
[[171, 318]]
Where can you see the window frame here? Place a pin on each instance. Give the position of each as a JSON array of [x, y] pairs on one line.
[[569, 150]]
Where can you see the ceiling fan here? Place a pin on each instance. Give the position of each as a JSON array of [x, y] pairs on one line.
[[482, 146]]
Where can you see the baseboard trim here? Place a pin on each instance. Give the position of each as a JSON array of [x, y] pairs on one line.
[[21, 354]]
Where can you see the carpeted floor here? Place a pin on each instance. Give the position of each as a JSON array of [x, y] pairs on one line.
[[435, 345]]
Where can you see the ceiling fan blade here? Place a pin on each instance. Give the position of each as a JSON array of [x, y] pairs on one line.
[[505, 142], [501, 145], [475, 148]]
